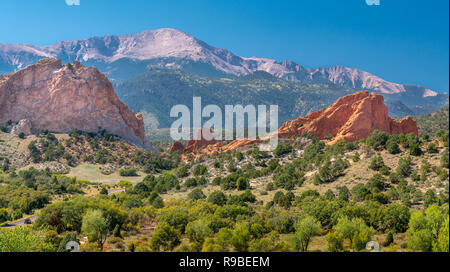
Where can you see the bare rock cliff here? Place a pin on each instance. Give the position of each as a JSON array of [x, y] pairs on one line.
[[61, 98]]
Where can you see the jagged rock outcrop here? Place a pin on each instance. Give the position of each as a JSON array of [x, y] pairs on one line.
[[350, 118], [23, 126], [204, 138], [61, 98], [177, 146]]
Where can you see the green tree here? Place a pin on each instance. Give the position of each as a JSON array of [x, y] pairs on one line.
[[116, 231], [218, 198], [343, 193], [377, 139], [20, 239], [241, 237], [376, 163], [95, 227], [392, 146], [445, 159], [197, 231], [177, 218], [329, 195], [396, 217], [4, 215], [165, 237], [442, 242], [200, 170], [389, 238], [430, 198], [404, 167], [305, 229], [424, 229], [282, 149], [360, 191], [335, 241], [355, 230], [414, 149], [242, 184], [196, 194]]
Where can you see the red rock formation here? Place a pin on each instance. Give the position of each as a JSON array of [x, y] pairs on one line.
[[237, 144], [61, 98], [204, 138], [350, 118], [177, 146]]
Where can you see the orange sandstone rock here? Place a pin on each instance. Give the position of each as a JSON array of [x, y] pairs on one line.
[[61, 98], [177, 146], [350, 118], [204, 138]]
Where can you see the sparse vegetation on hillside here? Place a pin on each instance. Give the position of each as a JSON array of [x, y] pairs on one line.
[[431, 123], [304, 196], [263, 201]]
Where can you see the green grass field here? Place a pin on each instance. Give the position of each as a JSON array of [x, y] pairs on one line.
[[92, 173]]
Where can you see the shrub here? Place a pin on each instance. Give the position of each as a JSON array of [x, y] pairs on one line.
[[377, 139], [431, 148], [217, 164], [165, 237], [200, 170], [182, 171], [242, 184], [359, 192], [191, 182], [445, 159], [404, 167], [196, 194], [128, 172], [414, 149], [376, 163], [335, 241], [392, 146], [282, 149], [218, 198]]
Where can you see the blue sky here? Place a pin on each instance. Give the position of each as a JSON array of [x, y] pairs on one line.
[[404, 41]]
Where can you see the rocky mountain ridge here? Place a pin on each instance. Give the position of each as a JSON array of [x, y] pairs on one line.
[[128, 55]]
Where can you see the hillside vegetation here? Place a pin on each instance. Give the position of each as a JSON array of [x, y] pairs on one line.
[[158, 90], [433, 122], [303, 196]]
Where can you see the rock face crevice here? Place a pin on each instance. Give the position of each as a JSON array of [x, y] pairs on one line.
[[61, 98]]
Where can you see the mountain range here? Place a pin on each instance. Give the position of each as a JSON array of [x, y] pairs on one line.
[[129, 57]]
